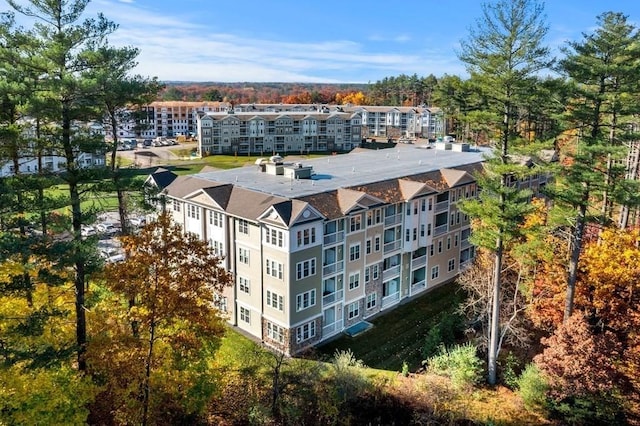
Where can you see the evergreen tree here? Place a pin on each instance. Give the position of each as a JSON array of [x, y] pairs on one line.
[[602, 69], [60, 48], [503, 54]]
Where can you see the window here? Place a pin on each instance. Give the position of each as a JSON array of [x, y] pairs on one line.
[[218, 247], [423, 205], [431, 250], [440, 246], [435, 271], [275, 301], [457, 217], [220, 302], [306, 236], [422, 230], [355, 223], [176, 206], [368, 246], [353, 310], [354, 252], [215, 219], [275, 332], [415, 207], [371, 301], [245, 315], [354, 281], [407, 235], [452, 220], [452, 265], [415, 234], [274, 268], [428, 229], [306, 268], [306, 331], [367, 275], [274, 237], [305, 300], [243, 255], [375, 272], [456, 238], [244, 285], [193, 212], [430, 204], [448, 243], [243, 226], [377, 243]]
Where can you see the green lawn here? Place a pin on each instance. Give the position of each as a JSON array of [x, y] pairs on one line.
[[398, 335]]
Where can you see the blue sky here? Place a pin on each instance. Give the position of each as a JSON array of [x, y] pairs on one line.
[[349, 41]]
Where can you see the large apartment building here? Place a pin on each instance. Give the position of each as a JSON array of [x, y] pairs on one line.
[[286, 132], [301, 128], [319, 246]]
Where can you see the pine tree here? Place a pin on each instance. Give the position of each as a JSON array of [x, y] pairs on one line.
[[503, 53], [602, 69]]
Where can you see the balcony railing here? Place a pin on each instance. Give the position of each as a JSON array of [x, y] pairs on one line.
[[332, 297], [391, 299], [418, 286], [465, 244], [442, 206], [439, 230], [336, 237], [333, 268], [391, 272], [393, 220], [419, 261], [393, 245], [331, 329]]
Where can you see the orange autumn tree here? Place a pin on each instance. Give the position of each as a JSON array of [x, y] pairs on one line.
[[610, 281], [152, 354]]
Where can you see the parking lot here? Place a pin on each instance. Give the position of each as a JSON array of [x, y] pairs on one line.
[[156, 155], [107, 229]]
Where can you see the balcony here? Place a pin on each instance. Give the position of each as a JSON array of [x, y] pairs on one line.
[[442, 206], [336, 237], [332, 328], [332, 268], [465, 244], [419, 261], [439, 230], [390, 300], [392, 272], [392, 246], [418, 286], [332, 297], [393, 220]]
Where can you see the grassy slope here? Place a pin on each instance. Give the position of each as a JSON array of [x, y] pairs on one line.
[[398, 335]]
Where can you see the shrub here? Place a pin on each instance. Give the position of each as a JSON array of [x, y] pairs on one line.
[[443, 333], [532, 387], [460, 363]]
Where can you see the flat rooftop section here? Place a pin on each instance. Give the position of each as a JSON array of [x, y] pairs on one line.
[[356, 168]]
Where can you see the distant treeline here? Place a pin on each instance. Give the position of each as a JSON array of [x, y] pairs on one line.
[[401, 90]]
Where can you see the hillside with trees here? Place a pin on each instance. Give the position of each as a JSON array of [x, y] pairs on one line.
[[542, 328]]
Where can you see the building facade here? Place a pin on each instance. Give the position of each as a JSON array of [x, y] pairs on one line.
[[317, 248], [268, 132]]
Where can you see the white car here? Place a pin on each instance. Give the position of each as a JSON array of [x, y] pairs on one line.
[[87, 231], [138, 222], [107, 228]]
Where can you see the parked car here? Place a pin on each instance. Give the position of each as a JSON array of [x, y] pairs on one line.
[[138, 222], [107, 228], [87, 231]]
